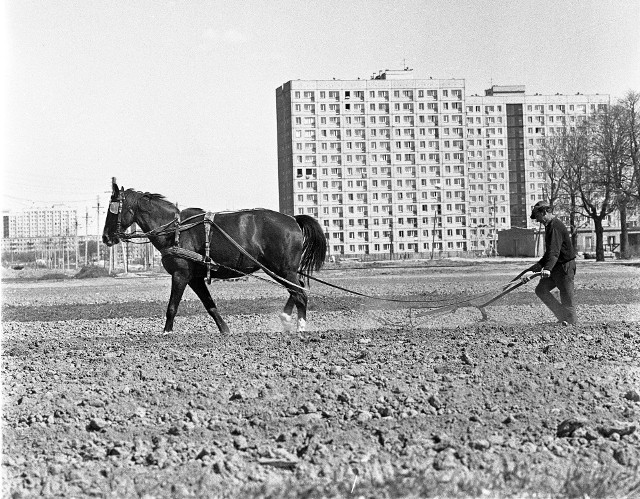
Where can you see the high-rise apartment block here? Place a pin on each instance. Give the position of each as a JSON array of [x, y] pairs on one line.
[[24, 228], [396, 164]]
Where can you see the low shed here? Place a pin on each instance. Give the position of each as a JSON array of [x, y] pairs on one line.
[[517, 242]]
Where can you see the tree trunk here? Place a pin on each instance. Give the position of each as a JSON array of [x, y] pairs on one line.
[[572, 219], [573, 230], [597, 222], [624, 232]]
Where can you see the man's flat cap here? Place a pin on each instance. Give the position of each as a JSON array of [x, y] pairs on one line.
[[539, 206]]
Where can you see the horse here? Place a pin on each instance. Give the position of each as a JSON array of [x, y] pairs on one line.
[[287, 248]]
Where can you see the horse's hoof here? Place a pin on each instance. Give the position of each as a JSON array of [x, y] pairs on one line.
[[302, 325], [287, 323]]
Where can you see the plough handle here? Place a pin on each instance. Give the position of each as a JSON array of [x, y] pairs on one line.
[[508, 289]]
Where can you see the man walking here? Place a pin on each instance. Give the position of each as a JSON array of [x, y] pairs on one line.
[[557, 265]]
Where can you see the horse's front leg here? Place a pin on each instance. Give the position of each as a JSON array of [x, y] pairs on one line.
[[179, 280], [200, 288]]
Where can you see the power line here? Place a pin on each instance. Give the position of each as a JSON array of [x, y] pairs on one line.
[[39, 201]]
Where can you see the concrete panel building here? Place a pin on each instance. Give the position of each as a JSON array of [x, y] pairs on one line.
[[22, 230], [396, 165]]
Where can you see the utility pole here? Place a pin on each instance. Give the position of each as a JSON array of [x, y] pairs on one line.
[[98, 226], [86, 236], [438, 211], [68, 251], [391, 234], [433, 236], [75, 242], [125, 257], [495, 228]]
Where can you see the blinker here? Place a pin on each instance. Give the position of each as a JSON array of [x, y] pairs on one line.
[[114, 206]]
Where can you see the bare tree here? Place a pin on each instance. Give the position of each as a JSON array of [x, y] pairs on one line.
[[620, 134], [553, 164], [596, 178], [576, 146], [558, 151], [631, 106], [594, 168]]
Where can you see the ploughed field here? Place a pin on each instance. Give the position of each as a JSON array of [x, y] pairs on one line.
[[374, 400]]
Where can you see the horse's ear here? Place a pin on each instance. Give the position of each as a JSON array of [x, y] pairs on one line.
[[114, 189]]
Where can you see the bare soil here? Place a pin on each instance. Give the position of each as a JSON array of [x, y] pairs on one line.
[[375, 400]]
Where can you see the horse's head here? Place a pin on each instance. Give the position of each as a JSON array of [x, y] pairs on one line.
[[120, 215]]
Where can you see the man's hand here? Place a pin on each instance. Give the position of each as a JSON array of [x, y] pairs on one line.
[[527, 276], [545, 273]]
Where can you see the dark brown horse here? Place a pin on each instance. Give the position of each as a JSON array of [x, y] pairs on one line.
[[240, 243]]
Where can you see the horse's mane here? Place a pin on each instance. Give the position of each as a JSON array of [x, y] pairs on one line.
[[155, 197]]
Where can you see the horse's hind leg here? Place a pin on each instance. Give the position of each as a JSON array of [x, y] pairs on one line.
[[285, 315], [301, 305], [299, 298], [200, 289]]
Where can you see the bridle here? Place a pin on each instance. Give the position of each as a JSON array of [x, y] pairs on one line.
[[115, 207]]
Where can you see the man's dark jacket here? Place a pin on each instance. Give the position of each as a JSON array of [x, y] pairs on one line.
[[558, 246]]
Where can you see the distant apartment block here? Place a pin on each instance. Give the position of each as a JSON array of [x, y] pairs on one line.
[[24, 229], [396, 164]]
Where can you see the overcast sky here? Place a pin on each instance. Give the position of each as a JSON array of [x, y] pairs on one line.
[[178, 97]]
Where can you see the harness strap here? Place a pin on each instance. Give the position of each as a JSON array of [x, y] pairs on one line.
[[177, 231], [120, 204], [208, 222]]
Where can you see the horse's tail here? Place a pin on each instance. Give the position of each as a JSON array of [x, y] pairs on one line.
[[314, 247]]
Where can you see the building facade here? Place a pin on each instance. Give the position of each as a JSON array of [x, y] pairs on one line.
[[397, 165], [51, 233], [505, 133], [32, 227]]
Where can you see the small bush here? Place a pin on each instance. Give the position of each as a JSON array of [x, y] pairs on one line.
[[91, 271]]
